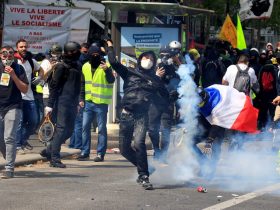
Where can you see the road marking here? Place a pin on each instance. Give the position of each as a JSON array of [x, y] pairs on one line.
[[243, 198]]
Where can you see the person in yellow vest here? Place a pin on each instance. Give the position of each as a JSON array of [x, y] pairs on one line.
[[96, 95], [38, 93]]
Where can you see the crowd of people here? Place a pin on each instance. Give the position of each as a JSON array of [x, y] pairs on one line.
[[73, 85]]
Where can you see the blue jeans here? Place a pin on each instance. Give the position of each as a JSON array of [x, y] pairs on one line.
[[28, 122], [76, 138], [101, 113]]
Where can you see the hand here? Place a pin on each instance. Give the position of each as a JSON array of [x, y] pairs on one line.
[[36, 80], [82, 104], [9, 70], [103, 65], [160, 72], [276, 101], [109, 43], [48, 110]]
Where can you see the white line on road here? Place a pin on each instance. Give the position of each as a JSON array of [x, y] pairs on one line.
[[243, 198]]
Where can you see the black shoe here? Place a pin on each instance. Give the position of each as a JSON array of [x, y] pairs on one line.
[[83, 157], [57, 164], [98, 158], [7, 175], [45, 154], [27, 146], [144, 181]]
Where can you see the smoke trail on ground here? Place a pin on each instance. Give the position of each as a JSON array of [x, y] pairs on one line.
[[181, 161]]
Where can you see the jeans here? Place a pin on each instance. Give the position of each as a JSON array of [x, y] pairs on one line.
[[8, 130], [28, 122], [160, 116], [64, 116], [101, 113], [76, 138], [130, 124], [39, 106]]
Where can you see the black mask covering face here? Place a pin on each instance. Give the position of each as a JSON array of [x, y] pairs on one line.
[[73, 56], [262, 60], [95, 61]]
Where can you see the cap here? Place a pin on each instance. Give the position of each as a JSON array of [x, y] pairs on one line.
[[94, 49], [194, 53]]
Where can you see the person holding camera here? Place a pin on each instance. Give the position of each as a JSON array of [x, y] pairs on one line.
[[141, 86], [162, 109], [96, 95]]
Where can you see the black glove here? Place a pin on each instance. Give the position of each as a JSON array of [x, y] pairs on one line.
[[173, 95]]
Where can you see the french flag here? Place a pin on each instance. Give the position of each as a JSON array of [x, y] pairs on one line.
[[229, 108]]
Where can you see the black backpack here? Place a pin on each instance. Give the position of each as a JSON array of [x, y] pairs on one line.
[[242, 81]]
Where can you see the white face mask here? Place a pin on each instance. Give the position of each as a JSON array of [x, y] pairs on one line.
[[146, 64], [7, 62]]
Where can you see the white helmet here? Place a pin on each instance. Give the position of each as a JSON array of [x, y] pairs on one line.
[[175, 45]]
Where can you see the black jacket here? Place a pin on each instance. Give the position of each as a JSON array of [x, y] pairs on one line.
[[141, 86], [65, 84]]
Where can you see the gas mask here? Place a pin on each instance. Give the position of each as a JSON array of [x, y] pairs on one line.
[[146, 64]]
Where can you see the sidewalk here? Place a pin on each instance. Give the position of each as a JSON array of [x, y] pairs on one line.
[[33, 156]]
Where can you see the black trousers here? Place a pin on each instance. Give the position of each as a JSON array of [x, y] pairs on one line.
[[64, 117], [160, 118], [132, 123]]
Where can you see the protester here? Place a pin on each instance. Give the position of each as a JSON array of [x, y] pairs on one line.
[[54, 56], [233, 73], [13, 82], [29, 120], [96, 95], [140, 87], [63, 101]]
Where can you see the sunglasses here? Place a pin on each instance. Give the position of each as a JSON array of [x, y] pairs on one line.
[[6, 53]]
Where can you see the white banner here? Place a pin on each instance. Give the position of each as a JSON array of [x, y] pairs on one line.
[[43, 26], [255, 9], [38, 40]]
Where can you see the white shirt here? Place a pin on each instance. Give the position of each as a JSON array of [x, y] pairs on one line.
[[46, 66], [28, 70], [232, 71]]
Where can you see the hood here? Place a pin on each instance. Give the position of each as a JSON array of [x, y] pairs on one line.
[[139, 61], [27, 56]]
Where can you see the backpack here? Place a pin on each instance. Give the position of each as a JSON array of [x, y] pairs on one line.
[[267, 79], [242, 81]]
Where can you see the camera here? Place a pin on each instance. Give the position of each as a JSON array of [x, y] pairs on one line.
[[166, 62]]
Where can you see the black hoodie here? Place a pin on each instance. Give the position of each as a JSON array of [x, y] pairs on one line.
[[141, 86]]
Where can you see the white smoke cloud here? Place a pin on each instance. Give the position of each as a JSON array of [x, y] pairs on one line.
[[181, 162]]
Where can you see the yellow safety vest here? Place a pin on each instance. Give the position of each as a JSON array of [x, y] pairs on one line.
[[97, 89], [39, 88]]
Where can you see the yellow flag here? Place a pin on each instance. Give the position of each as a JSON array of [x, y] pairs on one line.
[[241, 42], [228, 32]]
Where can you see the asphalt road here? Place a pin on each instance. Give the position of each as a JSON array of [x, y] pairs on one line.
[[111, 185]]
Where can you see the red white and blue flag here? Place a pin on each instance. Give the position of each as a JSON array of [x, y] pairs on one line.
[[231, 109]]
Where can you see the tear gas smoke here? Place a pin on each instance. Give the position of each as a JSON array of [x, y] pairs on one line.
[[181, 161]]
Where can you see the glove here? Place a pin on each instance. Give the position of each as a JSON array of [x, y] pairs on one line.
[[47, 110], [36, 80]]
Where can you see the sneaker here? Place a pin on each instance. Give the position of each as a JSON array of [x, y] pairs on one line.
[[7, 175], [98, 158], [45, 154], [144, 181], [20, 151], [57, 164], [27, 146], [83, 157]]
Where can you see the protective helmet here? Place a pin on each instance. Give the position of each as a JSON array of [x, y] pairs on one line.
[[71, 46], [175, 45], [56, 49]]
